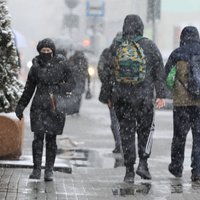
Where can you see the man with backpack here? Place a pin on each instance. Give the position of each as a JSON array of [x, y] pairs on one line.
[[184, 64], [138, 71]]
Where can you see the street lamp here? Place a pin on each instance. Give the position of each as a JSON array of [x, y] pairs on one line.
[[71, 3], [153, 13], [71, 20]]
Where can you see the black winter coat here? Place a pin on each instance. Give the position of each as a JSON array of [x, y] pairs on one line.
[[79, 67], [155, 79], [45, 79], [105, 69]]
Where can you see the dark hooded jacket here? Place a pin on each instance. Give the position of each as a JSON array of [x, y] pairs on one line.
[[132, 28], [189, 45], [79, 66], [45, 78], [104, 69]]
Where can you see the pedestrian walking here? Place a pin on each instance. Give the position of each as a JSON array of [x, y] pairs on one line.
[[104, 68], [48, 77], [138, 72], [79, 67], [183, 72], [62, 51]]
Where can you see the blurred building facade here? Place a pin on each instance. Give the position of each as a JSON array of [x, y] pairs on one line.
[[38, 19], [175, 14]]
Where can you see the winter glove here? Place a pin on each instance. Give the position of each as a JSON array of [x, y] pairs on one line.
[[19, 113]]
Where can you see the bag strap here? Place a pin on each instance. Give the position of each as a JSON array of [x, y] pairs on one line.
[[180, 81], [138, 38]]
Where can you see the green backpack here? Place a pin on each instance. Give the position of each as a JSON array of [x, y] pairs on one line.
[[130, 62], [171, 78]]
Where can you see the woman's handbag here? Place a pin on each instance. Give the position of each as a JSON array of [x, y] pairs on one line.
[[65, 103]]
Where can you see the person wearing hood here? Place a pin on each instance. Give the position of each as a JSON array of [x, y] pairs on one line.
[[134, 104], [104, 68], [186, 108], [79, 66], [48, 77]]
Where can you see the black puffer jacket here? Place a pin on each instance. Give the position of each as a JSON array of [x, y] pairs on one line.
[[132, 28], [43, 79]]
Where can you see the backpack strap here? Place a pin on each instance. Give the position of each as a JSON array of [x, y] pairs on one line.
[[181, 82], [136, 39]]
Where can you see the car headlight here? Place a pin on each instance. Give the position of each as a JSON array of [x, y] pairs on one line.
[[91, 71], [29, 64]]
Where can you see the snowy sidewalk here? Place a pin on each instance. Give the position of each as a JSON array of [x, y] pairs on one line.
[[97, 174]]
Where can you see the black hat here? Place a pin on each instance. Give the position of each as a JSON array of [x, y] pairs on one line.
[[47, 42]]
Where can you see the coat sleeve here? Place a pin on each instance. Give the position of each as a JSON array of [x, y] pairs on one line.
[[158, 72], [29, 90], [102, 67], [105, 74], [170, 63]]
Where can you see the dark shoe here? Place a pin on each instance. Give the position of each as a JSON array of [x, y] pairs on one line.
[[195, 178], [116, 150], [130, 175], [175, 171], [36, 174], [143, 170], [48, 175]]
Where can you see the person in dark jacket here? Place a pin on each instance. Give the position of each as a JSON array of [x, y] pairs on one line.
[[104, 68], [134, 104], [186, 110], [47, 77], [79, 66]]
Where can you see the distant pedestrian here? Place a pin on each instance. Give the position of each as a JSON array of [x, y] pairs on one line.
[[62, 51], [48, 77], [183, 68], [79, 66], [138, 73], [104, 68]]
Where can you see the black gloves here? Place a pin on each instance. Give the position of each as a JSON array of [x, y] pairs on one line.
[[19, 112]]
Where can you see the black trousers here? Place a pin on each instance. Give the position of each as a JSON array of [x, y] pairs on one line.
[[135, 118], [49, 139], [184, 119], [37, 149]]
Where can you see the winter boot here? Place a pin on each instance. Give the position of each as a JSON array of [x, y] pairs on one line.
[[37, 148], [176, 171], [50, 159], [48, 174], [143, 170], [117, 149], [130, 175], [36, 173]]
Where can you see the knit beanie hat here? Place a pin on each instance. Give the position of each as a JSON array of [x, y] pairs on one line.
[[48, 43]]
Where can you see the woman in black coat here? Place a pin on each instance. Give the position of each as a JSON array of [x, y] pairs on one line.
[[48, 76]]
